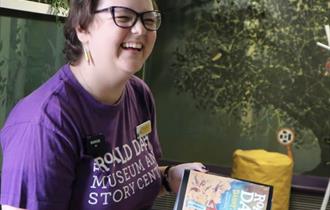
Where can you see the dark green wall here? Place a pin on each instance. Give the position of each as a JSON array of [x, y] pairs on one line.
[[188, 133]]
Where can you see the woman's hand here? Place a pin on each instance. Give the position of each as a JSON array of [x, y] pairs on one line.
[[175, 173]]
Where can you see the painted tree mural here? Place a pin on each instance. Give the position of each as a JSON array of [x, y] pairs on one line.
[[256, 58]]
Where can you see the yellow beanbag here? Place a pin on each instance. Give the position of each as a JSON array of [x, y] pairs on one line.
[[268, 168]]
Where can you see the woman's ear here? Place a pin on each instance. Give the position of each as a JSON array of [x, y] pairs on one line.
[[82, 34]]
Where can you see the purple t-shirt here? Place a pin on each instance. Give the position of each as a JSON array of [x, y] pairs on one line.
[[62, 149]]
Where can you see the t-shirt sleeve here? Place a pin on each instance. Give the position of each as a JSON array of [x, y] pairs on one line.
[[38, 167]]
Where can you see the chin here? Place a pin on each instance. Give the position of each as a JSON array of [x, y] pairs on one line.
[[132, 69]]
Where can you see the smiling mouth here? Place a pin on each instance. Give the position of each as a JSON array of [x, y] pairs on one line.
[[132, 46]]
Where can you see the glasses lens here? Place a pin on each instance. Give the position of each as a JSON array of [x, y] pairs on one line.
[[124, 17], [152, 20]]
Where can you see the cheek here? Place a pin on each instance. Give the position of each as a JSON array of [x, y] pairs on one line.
[[151, 41], [153, 37], [107, 45], [109, 36]]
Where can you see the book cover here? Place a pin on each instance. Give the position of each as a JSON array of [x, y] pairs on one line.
[[200, 191]]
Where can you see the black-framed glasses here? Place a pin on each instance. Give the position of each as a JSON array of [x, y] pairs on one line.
[[126, 18]]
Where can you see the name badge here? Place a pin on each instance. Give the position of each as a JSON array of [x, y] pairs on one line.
[[143, 129]]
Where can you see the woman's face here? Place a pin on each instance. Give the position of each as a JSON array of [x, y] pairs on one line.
[[115, 49]]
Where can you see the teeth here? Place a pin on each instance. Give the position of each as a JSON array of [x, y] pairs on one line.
[[137, 46]]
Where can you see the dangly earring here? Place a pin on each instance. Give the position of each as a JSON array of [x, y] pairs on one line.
[[88, 55]]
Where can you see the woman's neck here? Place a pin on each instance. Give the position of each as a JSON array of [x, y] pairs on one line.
[[106, 89]]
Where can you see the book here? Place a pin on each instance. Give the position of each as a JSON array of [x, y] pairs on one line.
[[204, 191]]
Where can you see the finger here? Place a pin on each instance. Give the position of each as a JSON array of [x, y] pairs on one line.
[[201, 170], [200, 167], [197, 164]]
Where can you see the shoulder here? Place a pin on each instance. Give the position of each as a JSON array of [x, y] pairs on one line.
[[141, 91], [139, 84], [41, 117], [44, 104]]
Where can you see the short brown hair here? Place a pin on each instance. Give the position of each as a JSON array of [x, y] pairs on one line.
[[81, 14]]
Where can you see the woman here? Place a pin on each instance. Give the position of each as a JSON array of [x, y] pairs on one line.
[[87, 138]]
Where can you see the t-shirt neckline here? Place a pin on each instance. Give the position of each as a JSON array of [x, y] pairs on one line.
[[89, 98]]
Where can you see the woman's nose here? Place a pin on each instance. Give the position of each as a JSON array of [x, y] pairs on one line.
[[139, 28]]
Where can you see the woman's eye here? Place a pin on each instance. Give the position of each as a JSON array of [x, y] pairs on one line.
[[149, 21], [123, 18]]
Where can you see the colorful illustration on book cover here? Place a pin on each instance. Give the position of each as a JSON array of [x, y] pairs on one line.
[[211, 192]]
